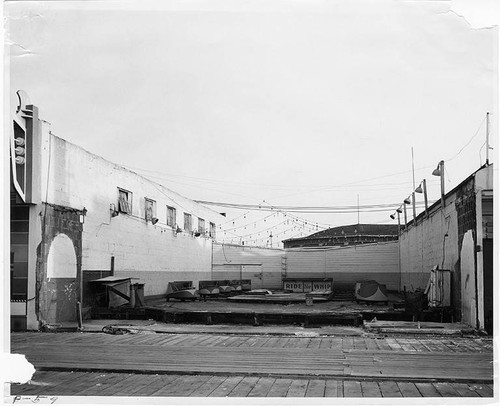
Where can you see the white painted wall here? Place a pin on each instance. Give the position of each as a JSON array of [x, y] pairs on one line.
[[347, 265], [468, 280], [261, 265], [154, 254], [425, 246]]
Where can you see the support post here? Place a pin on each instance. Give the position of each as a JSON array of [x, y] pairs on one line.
[[424, 186], [441, 169], [406, 217], [414, 209]]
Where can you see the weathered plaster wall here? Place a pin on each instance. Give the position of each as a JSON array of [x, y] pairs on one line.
[[58, 265], [452, 239], [433, 241], [263, 266], [155, 254]]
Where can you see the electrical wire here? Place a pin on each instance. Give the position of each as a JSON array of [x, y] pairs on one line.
[[308, 209], [294, 187], [468, 142]]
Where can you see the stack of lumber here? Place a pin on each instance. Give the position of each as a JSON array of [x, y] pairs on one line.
[[416, 327]]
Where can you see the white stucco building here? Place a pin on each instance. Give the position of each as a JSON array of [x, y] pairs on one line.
[[74, 213]]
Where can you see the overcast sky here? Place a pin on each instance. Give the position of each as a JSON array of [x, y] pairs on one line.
[[298, 103]]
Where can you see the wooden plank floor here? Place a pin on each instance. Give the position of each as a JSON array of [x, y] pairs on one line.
[[50, 383], [373, 342], [248, 359], [219, 365]]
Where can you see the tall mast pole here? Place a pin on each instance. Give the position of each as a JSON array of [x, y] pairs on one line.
[[413, 194], [358, 209], [413, 168]]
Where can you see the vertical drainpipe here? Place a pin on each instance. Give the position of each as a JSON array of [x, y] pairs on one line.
[[212, 260], [112, 267]]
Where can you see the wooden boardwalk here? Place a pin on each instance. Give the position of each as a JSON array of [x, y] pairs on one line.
[[55, 383], [390, 358], [97, 364]]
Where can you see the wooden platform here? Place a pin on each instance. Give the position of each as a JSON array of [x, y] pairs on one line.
[[461, 360], [255, 311]]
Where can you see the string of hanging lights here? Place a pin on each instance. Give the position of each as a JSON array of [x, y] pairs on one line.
[[305, 209]]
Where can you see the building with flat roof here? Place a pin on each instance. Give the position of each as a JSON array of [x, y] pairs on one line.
[[354, 234]]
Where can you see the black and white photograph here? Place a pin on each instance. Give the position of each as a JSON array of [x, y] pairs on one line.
[[262, 202]]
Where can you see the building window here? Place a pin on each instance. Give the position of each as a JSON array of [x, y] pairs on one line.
[[187, 222], [124, 201], [149, 209], [201, 226], [171, 216], [212, 230]]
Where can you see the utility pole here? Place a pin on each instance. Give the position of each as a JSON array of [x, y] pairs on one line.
[[406, 217], [424, 184], [487, 138]]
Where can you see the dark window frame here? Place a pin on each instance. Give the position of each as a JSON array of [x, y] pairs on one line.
[[201, 225], [188, 223], [124, 205], [152, 205], [171, 216]]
